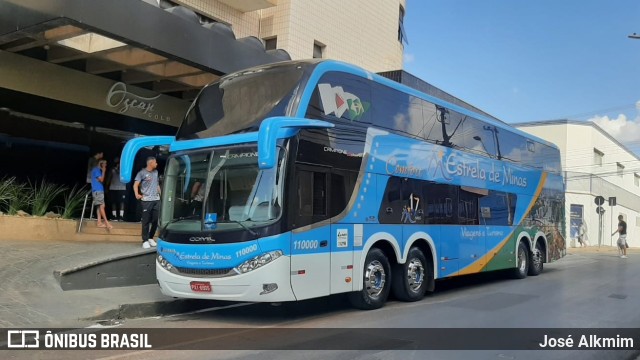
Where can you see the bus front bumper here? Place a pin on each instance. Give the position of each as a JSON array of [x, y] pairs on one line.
[[253, 286]]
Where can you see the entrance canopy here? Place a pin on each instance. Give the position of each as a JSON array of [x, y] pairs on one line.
[[167, 51]]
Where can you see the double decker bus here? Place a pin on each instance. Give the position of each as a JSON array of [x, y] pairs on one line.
[[309, 178]]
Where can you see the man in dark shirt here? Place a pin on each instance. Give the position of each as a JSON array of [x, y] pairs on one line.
[[622, 236]]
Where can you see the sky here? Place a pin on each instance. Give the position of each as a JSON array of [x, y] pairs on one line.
[[532, 60]]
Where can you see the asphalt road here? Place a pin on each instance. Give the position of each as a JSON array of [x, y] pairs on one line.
[[579, 291]]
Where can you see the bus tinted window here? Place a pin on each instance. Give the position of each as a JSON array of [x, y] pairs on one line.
[[441, 202], [497, 208], [340, 96], [392, 204], [240, 102], [397, 111], [477, 138]]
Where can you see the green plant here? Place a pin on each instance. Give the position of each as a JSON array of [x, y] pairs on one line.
[[73, 201], [44, 193], [21, 198], [6, 193]]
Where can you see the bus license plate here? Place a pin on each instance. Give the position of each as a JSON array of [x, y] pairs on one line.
[[201, 286]]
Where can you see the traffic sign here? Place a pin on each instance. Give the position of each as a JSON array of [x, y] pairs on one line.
[[612, 201], [600, 210], [599, 200]]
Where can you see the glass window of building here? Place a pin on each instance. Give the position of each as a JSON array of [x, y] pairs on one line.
[[620, 169], [318, 50], [271, 43], [402, 36], [597, 157]]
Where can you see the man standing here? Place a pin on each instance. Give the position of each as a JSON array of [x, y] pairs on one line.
[[93, 162], [97, 191], [147, 188], [622, 236]]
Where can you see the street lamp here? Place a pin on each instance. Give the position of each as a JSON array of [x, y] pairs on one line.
[[634, 36]]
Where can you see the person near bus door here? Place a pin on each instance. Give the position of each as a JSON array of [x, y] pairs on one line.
[[147, 189]]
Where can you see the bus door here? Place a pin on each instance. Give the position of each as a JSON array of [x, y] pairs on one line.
[[310, 248], [342, 184]]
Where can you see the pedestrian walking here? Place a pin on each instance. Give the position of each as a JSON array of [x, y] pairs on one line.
[[622, 237], [583, 237], [117, 192], [97, 191], [147, 189]]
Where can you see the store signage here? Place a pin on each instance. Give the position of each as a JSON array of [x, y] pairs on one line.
[[129, 103], [30, 76]]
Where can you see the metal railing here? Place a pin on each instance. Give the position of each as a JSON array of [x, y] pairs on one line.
[[84, 209]]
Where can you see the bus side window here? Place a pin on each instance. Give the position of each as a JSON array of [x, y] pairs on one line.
[[442, 203], [311, 192], [412, 202], [497, 208], [342, 186], [392, 204]]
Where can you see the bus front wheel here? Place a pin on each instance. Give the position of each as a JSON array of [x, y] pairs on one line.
[[376, 282], [522, 262], [411, 279]]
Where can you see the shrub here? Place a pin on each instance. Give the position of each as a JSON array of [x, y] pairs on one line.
[[6, 192], [21, 198], [44, 193], [73, 201]]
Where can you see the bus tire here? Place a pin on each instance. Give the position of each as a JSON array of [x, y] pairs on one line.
[[376, 282], [522, 262], [410, 280], [537, 260]]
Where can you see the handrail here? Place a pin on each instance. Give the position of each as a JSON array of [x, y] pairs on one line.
[[84, 208]]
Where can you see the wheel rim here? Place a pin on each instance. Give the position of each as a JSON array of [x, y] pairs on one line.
[[522, 260], [374, 279], [415, 274]]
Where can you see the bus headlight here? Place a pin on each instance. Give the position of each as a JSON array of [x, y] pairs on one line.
[[164, 263], [258, 261]]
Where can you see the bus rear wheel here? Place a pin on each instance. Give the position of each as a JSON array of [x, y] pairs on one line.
[[376, 282], [537, 259], [522, 262], [411, 278]]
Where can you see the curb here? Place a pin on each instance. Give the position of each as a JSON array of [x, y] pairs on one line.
[[59, 273], [156, 308], [132, 269]]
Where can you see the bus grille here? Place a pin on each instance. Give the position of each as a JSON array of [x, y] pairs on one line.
[[205, 272]]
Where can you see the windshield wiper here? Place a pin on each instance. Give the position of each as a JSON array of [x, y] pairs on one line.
[[239, 223], [190, 217]]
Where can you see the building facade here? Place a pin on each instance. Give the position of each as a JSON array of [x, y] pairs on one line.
[[78, 77], [595, 164], [356, 31]]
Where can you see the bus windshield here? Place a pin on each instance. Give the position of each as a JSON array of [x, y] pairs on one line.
[[220, 189], [240, 101]]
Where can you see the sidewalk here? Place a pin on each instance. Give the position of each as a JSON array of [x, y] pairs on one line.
[[609, 250], [30, 296]]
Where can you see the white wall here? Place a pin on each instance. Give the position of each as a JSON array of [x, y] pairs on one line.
[[360, 32], [576, 142]]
